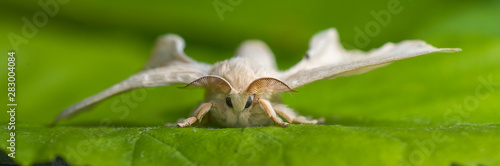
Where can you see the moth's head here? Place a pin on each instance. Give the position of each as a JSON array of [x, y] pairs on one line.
[[239, 100]]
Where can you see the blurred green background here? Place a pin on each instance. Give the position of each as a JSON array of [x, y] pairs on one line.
[[90, 45]]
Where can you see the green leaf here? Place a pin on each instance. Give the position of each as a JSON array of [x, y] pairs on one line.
[[296, 145]]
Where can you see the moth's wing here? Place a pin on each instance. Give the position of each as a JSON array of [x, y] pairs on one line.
[[327, 59], [168, 50], [168, 65], [257, 53]]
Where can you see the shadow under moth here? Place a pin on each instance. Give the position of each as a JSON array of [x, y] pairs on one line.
[[246, 90]]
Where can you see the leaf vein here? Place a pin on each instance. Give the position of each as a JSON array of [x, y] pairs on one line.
[[133, 147], [279, 143], [175, 149]]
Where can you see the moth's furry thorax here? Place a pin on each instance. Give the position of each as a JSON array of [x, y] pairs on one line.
[[240, 72]]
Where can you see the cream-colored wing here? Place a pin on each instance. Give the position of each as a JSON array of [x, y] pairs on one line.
[[258, 53], [168, 65], [327, 59]]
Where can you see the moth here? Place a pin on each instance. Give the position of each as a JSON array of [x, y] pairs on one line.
[[246, 89]]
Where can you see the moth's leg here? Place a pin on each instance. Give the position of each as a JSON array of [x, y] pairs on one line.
[[180, 120], [266, 106], [198, 115], [291, 116], [285, 112]]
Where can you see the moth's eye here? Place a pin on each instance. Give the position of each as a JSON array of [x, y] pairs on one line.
[[228, 102], [249, 102]]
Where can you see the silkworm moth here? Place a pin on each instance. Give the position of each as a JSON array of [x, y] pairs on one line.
[[246, 89]]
